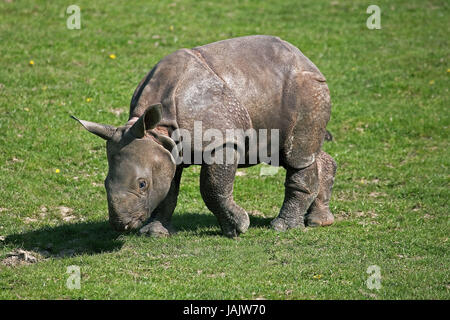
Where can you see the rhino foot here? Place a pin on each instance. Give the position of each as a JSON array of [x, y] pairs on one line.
[[157, 229], [319, 216], [233, 228], [282, 224]]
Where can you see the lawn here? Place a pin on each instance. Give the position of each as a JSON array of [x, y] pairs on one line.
[[390, 121]]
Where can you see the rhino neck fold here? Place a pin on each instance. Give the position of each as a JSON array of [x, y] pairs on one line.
[[162, 130]]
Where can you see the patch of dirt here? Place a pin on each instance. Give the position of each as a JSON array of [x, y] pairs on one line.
[[20, 257], [367, 294], [220, 275], [66, 213], [43, 211], [375, 194], [366, 223], [117, 111], [370, 214], [341, 216], [256, 213], [415, 258], [29, 220]]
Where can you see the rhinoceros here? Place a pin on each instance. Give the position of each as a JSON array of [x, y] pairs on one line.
[[253, 82]]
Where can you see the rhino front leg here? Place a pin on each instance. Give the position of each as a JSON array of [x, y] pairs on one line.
[[160, 219], [301, 188], [319, 213], [216, 187]]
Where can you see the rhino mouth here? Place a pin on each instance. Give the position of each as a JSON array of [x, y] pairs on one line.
[[133, 225], [129, 221], [129, 225]]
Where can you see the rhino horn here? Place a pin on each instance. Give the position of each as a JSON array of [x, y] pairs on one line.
[[102, 130]]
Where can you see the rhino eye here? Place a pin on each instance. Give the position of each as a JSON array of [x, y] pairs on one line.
[[142, 184]]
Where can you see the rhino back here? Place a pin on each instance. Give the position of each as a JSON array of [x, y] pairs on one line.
[[237, 83], [258, 69]]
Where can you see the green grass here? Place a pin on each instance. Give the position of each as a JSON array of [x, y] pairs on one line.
[[390, 120]]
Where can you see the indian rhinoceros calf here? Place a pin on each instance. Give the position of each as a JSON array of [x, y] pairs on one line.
[[253, 82]]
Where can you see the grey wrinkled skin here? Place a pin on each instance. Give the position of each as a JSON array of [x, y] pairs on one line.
[[259, 82]]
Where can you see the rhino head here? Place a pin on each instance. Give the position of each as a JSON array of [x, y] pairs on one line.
[[140, 168]]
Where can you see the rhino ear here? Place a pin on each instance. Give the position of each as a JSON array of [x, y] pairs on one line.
[[147, 121], [102, 130]]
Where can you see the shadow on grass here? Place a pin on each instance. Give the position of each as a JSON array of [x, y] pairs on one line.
[[206, 224], [98, 237], [69, 239]]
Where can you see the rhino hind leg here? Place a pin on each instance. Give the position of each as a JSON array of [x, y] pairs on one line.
[[311, 96], [301, 188], [319, 213], [216, 187]]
